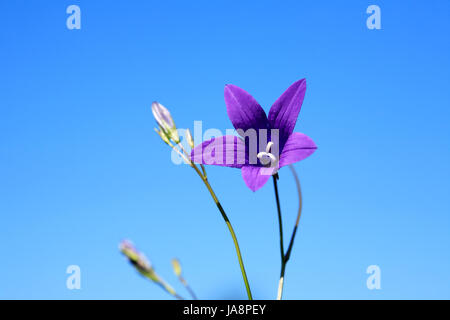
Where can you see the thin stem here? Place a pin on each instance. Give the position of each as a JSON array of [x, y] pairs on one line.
[[167, 287], [281, 281], [204, 171], [183, 153], [280, 222], [188, 287], [286, 256], [299, 213], [230, 228], [191, 292]]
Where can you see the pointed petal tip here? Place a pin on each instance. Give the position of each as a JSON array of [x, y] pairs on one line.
[[243, 110], [297, 148], [230, 87], [253, 178], [298, 85], [303, 80], [284, 112]]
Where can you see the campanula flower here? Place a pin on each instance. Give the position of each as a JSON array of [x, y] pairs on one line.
[[265, 143]]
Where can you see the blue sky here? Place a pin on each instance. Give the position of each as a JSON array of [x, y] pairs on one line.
[[82, 169]]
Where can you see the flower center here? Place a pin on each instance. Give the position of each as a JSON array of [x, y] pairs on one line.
[[268, 159]]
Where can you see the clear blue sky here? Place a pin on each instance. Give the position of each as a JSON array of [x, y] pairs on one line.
[[81, 168]]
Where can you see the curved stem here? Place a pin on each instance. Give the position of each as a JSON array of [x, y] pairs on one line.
[[188, 287], [285, 257], [168, 288], [183, 153], [186, 157], [230, 228], [191, 292], [299, 213]]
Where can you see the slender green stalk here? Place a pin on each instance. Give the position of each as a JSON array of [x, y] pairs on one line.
[[281, 281], [178, 272], [188, 287], [280, 221], [230, 228], [166, 136], [203, 170], [285, 257], [204, 178], [191, 292], [169, 289], [151, 275], [299, 213]]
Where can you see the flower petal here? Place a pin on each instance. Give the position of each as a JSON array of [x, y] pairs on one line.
[[243, 110], [227, 151], [298, 147], [254, 177], [284, 112]]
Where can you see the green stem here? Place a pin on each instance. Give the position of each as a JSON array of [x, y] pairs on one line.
[[188, 287], [281, 281], [280, 221], [230, 228], [299, 214], [183, 153], [168, 288], [191, 292], [285, 257]]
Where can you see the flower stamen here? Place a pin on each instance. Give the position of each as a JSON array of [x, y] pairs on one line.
[[267, 158]]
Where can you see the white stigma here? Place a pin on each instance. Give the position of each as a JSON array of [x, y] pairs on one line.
[[268, 158]]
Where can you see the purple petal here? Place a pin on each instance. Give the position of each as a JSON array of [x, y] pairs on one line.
[[254, 176], [284, 112], [243, 110], [298, 147], [227, 151]]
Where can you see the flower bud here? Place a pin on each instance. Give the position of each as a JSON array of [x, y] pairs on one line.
[[189, 138], [163, 136], [176, 267], [138, 260], [165, 121]]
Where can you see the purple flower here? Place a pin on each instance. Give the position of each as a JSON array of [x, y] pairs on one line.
[[266, 143]]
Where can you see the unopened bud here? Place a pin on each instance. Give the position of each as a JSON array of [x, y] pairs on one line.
[[165, 121], [138, 260], [163, 136], [189, 138], [176, 267]]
